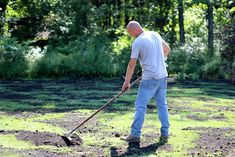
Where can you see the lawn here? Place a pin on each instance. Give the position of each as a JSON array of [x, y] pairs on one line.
[[33, 113]]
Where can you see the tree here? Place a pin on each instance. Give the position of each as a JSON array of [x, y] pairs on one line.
[[25, 17], [227, 53], [181, 21], [3, 6], [210, 26], [173, 23]]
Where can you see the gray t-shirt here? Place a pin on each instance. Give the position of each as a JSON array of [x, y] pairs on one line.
[[148, 49]]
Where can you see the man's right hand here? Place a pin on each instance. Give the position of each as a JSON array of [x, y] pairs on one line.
[[126, 86]]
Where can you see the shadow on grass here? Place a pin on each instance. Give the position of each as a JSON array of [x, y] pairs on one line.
[[214, 89], [134, 149], [68, 95], [60, 95]]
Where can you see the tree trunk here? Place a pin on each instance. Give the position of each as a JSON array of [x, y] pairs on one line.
[[181, 21], [161, 16], [3, 6], [173, 25], [210, 27]]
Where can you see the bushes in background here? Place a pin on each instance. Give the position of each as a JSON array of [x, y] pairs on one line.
[[84, 57], [13, 63], [187, 61], [192, 61], [97, 56], [227, 52]]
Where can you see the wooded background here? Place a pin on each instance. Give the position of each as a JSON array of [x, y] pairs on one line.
[[87, 38]]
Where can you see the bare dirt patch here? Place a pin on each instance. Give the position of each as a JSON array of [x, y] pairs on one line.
[[51, 139], [71, 120], [219, 117], [215, 141], [45, 138], [40, 138]]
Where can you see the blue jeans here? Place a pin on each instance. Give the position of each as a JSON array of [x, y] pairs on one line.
[[147, 90]]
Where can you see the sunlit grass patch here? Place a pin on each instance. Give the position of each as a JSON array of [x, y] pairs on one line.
[[47, 116], [9, 153], [10, 141], [120, 120], [49, 105], [90, 140], [14, 123], [231, 118]]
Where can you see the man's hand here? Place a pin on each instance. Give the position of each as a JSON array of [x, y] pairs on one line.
[[166, 48], [130, 69], [126, 86]]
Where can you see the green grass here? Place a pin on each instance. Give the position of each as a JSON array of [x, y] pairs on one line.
[[10, 141], [14, 123], [199, 100]]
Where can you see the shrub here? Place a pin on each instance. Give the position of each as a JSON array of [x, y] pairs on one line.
[[122, 50], [13, 63], [87, 56], [187, 61], [227, 52], [211, 70]]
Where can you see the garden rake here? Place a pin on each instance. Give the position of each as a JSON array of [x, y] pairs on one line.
[[68, 137]]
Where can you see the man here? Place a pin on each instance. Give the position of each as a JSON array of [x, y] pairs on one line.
[[151, 50]]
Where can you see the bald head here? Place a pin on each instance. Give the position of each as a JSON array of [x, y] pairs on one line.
[[134, 29]]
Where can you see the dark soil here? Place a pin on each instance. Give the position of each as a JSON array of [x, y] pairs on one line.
[[35, 153], [215, 141], [42, 138], [219, 117], [46, 138], [71, 120]]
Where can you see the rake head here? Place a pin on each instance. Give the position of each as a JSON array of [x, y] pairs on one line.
[[72, 140]]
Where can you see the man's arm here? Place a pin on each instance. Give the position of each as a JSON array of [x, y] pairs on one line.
[[166, 48], [129, 73]]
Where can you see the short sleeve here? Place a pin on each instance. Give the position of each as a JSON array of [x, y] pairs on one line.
[[134, 51]]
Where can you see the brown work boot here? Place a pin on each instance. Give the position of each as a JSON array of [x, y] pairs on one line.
[[163, 140], [131, 139]]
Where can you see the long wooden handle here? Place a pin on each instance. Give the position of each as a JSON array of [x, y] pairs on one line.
[[102, 107]]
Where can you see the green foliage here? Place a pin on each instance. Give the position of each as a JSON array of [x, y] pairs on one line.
[[87, 38], [13, 63], [211, 69], [86, 56], [122, 50], [194, 21], [186, 61], [25, 18], [227, 53]]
